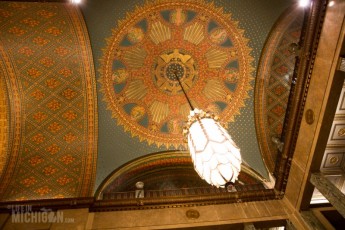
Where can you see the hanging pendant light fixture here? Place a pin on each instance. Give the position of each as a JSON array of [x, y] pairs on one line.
[[215, 156]]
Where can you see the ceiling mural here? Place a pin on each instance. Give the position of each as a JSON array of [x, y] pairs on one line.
[[47, 64], [274, 78], [160, 42], [214, 47], [55, 129]]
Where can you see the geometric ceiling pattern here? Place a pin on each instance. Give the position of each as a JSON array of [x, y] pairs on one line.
[[161, 41], [273, 82], [46, 61]]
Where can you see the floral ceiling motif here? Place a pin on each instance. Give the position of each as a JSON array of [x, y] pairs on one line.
[[47, 64], [191, 40]]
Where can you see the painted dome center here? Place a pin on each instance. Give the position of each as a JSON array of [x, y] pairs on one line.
[[171, 65]]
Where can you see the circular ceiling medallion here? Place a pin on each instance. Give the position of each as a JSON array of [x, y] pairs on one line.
[[162, 40]]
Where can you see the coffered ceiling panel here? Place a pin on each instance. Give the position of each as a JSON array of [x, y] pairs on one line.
[[341, 104], [337, 134], [333, 160]]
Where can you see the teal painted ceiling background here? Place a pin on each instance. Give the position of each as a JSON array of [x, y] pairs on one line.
[[116, 147]]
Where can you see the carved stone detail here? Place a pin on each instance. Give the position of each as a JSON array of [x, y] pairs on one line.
[[312, 220], [329, 191], [309, 116], [192, 214]]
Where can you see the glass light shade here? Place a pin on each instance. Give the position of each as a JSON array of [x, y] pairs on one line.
[[215, 155]]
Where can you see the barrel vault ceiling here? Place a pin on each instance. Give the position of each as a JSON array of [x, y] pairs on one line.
[[86, 89]]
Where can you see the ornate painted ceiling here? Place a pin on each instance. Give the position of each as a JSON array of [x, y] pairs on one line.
[[52, 131], [206, 49], [274, 80], [250, 22], [84, 91]]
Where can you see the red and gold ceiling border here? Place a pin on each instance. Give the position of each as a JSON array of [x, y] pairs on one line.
[[4, 123], [12, 132], [48, 66], [273, 82], [195, 38]]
